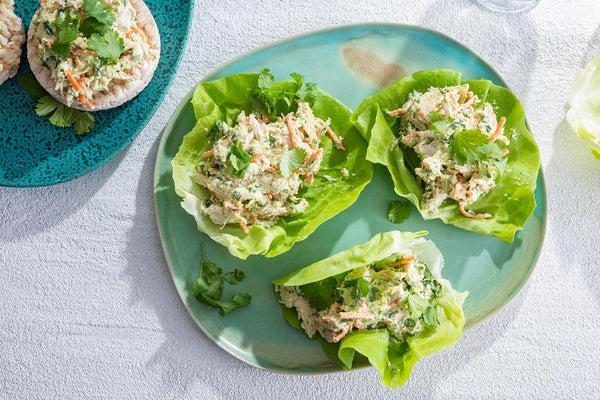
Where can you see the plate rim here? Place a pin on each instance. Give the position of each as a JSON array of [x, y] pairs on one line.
[[211, 76], [119, 149]]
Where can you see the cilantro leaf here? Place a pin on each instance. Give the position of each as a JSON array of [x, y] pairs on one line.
[[62, 43], [108, 46], [31, 86], [235, 277], [64, 116], [469, 147], [291, 160], [398, 211], [99, 10], [430, 316], [46, 106], [208, 287], [439, 123], [240, 160], [273, 94], [82, 121], [320, 294], [305, 91], [265, 79], [416, 306], [91, 25]]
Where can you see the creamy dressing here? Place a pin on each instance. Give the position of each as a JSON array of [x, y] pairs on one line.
[[400, 299], [262, 189], [439, 173]]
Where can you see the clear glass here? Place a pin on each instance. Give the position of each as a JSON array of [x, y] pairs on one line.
[[508, 6]]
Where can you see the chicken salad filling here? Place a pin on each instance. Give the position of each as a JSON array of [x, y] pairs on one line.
[[398, 296], [255, 169], [460, 144]]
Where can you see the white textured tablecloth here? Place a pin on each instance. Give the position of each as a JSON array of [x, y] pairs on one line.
[[89, 309]]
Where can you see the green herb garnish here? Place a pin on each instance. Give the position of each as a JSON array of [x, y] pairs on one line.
[[469, 147], [439, 123], [208, 288], [95, 24], [273, 94], [398, 211], [240, 160], [291, 160], [60, 115]]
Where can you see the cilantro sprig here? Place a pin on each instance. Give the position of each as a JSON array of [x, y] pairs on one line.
[[208, 288], [439, 122], [60, 115], [471, 146], [275, 95], [95, 24], [398, 211], [291, 160], [239, 159]]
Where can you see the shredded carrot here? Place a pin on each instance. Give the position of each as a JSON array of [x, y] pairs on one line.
[[423, 116], [498, 129], [75, 84], [336, 141], [85, 102], [397, 112], [461, 207], [244, 227], [504, 152], [309, 179], [139, 32], [354, 314], [404, 261], [314, 156], [270, 170], [358, 326], [291, 130], [209, 153], [338, 337], [77, 61], [230, 205]]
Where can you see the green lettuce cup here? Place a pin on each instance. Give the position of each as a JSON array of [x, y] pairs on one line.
[[382, 303], [343, 172], [504, 209]]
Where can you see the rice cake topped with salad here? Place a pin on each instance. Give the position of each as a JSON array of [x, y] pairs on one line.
[[92, 54], [12, 37]]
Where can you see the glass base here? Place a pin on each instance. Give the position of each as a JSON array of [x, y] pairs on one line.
[[508, 6]]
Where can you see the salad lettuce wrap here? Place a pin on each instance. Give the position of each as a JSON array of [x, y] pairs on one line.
[[383, 301], [511, 164], [217, 153]]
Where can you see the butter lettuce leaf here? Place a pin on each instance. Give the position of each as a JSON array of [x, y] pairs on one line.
[[511, 202], [223, 100], [392, 360]]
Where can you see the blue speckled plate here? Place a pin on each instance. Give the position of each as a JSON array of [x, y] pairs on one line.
[[35, 153], [350, 63]]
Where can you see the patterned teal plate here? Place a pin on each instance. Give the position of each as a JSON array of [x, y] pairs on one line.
[[35, 153], [351, 63]]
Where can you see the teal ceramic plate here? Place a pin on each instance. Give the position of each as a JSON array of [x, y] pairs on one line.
[[35, 153], [351, 63]]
